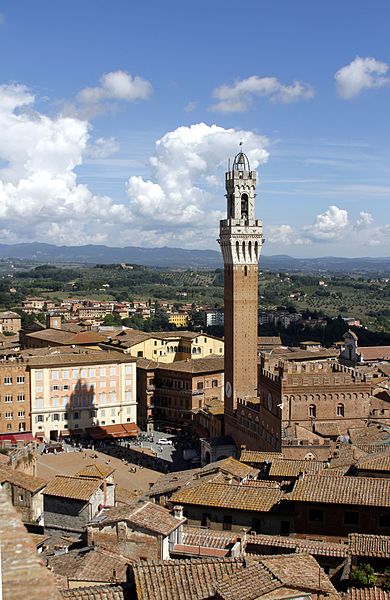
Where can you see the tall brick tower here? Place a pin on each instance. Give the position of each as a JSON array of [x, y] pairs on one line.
[[241, 239]]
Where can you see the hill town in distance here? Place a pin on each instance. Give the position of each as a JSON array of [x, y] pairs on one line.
[[180, 433]]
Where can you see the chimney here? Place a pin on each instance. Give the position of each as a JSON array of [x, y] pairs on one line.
[[178, 511]]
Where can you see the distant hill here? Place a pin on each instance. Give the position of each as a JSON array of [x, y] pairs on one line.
[[183, 258]]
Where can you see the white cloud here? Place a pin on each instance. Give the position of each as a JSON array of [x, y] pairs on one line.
[[328, 226], [178, 199], [40, 198], [239, 96], [191, 106], [102, 148], [116, 85], [364, 220], [360, 74]]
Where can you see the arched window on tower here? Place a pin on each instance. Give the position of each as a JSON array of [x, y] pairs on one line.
[[340, 410], [312, 411], [238, 250], [244, 206]]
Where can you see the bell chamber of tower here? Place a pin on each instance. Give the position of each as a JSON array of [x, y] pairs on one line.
[[241, 239]]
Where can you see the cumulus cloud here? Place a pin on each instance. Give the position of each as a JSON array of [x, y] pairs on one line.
[[328, 226], [364, 220], [40, 197], [117, 85], [178, 198], [361, 74], [239, 96]]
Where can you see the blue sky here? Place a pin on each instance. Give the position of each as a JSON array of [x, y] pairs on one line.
[[117, 120]]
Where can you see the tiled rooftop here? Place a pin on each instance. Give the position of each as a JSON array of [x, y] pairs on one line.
[[299, 545], [92, 564], [21, 479], [376, 546], [376, 462], [285, 467], [252, 456], [368, 593], [181, 579], [362, 491], [98, 592], [230, 466], [238, 497], [95, 470], [209, 364], [23, 575], [72, 487]]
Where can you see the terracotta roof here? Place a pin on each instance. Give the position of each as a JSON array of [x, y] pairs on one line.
[[95, 470], [346, 456], [329, 429], [150, 516], [23, 574], [237, 497], [58, 336], [374, 352], [116, 591], [253, 456], [192, 579], [196, 536], [300, 545], [364, 491], [369, 593], [90, 564], [286, 467], [294, 572], [376, 462], [21, 479], [376, 546], [72, 487], [124, 496], [336, 472], [232, 466]]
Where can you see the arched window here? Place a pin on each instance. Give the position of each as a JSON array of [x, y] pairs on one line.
[[193, 350], [238, 250], [244, 206], [312, 410], [340, 410]]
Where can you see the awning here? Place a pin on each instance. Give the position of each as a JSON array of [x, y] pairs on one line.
[[103, 432], [14, 438]]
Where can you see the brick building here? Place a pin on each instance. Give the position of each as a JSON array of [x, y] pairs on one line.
[[169, 394], [10, 322], [14, 396], [315, 394]]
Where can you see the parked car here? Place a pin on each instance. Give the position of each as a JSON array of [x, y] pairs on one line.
[[165, 442]]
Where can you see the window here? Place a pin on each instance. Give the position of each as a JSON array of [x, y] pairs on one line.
[[40, 403], [92, 413], [65, 417], [21, 398], [8, 398], [128, 382], [316, 515], [76, 415], [102, 384], [206, 518], [113, 412], [113, 396], [75, 373], [102, 412], [92, 372], [9, 426], [103, 398], [55, 401], [227, 522], [21, 414], [7, 380], [103, 371], [66, 387], [20, 379], [112, 384], [65, 374], [128, 396], [54, 374], [39, 389], [65, 400], [312, 410], [8, 415], [128, 369], [84, 373], [199, 385], [140, 354], [340, 410], [351, 518], [39, 375], [112, 370], [55, 387], [55, 417], [214, 383]]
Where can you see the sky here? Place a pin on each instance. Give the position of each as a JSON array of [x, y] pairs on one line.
[[117, 121]]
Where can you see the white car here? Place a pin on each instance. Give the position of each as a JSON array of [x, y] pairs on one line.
[[165, 442]]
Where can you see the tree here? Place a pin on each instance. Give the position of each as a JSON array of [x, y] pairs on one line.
[[111, 320], [363, 575]]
